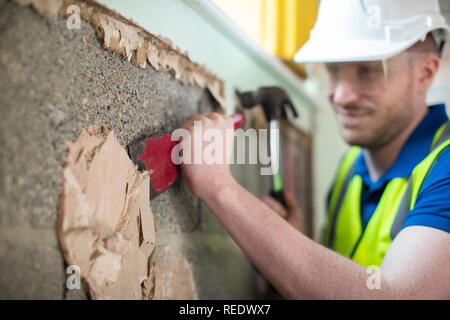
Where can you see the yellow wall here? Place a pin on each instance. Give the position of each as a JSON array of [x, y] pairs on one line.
[[280, 26]]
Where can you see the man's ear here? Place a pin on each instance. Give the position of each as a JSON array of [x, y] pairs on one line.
[[427, 68]]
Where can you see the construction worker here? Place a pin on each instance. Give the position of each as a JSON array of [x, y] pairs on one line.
[[387, 234]]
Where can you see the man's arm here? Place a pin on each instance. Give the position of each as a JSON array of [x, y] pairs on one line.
[[417, 264]]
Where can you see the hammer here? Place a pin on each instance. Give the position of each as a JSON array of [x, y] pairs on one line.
[[274, 102]]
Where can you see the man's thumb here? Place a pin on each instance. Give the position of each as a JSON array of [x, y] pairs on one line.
[[290, 200]]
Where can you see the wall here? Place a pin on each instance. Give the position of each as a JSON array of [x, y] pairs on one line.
[[215, 41], [328, 146], [212, 39], [53, 83]]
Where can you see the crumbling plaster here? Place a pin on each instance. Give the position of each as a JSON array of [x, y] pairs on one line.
[[136, 44], [106, 227], [54, 83]]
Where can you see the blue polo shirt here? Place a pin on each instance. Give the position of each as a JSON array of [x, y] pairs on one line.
[[432, 207]]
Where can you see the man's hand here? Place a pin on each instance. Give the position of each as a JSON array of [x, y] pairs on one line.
[[205, 179], [292, 213]]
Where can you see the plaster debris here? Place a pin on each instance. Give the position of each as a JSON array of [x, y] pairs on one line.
[[105, 223], [137, 45]]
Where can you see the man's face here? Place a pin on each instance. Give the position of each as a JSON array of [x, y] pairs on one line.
[[371, 102]]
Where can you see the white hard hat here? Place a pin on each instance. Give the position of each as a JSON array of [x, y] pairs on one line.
[[367, 30]]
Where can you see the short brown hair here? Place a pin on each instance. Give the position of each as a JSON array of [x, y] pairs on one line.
[[429, 45]]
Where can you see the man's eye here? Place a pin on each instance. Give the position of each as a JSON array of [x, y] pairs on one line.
[[332, 70], [368, 71]]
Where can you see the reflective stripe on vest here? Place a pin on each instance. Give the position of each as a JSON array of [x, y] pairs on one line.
[[343, 231]]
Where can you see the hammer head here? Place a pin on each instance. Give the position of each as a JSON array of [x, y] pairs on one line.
[[274, 101]]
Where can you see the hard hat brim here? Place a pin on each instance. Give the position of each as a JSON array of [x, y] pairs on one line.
[[350, 51]]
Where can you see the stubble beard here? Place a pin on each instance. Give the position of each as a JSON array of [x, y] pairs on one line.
[[388, 127]]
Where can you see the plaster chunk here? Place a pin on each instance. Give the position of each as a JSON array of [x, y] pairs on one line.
[[105, 268], [105, 223]]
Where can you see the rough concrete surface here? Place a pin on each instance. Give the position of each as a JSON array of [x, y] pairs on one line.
[[54, 82]]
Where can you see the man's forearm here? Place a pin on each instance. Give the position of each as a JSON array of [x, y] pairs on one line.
[[297, 266], [415, 265]]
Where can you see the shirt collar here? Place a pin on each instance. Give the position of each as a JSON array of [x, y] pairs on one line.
[[413, 152]]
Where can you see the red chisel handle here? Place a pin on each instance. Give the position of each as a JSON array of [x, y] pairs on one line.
[[155, 154], [238, 120]]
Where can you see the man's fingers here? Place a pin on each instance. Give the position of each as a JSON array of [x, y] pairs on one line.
[[295, 213], [274, 205], [291, 201], [205, 118], [189, 122], [213, 116]]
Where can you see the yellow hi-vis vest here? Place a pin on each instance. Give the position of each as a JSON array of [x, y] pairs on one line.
[[343, 231]]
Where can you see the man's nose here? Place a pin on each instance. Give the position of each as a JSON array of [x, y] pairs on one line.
[[344, 93]]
